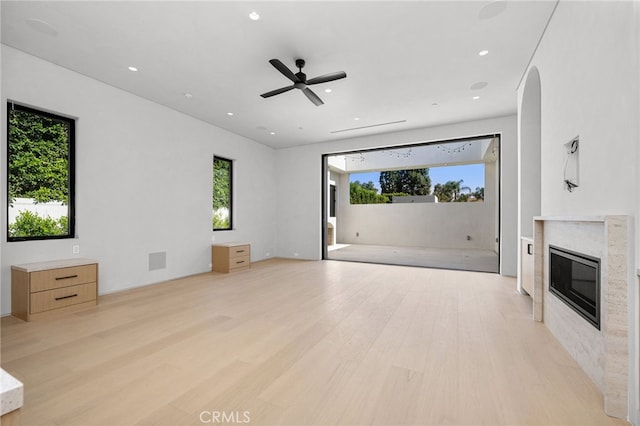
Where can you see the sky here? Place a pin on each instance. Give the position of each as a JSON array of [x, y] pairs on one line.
[[471, 174]]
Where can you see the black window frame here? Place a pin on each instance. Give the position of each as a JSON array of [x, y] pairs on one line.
[[11, 106], [219, 158]]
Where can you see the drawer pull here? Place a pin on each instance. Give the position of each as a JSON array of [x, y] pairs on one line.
[[67, 277], [67, 297], [240, 251], [239, 262]]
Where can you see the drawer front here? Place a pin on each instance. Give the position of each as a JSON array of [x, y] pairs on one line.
[[63, 277], [240, 251], [240, 262], [61, 297]]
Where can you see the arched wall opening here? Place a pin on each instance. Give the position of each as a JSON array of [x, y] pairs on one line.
[[529, 169], [530, 175]]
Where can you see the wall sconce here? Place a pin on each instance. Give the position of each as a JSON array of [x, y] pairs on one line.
[[571, 164]]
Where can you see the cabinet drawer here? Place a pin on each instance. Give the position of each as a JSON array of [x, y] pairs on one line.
[[239, 261], [63, 277], [240, 251], [61, 297]]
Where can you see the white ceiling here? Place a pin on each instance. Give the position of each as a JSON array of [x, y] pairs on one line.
[[401, 58]]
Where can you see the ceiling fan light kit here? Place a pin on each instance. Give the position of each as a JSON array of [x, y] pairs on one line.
[[300, 81]]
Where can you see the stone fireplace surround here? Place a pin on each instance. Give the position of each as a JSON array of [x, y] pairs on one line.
[[603, 354]]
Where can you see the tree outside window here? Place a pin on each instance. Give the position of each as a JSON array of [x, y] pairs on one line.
[[402, 183], [40, 179], [222, 194]]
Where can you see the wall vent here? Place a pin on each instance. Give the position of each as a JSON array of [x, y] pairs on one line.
[[157, 260], [366, 127]]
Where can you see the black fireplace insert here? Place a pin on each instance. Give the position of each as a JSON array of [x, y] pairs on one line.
[[575, 279]]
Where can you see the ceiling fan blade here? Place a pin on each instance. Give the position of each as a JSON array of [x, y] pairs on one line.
[[312, 96], [277, 91], [327, 77], [284, 70]]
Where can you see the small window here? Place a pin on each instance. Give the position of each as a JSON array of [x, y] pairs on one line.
[[222, 194], [40, 175]]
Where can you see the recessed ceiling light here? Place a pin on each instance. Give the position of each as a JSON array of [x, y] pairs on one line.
[[475, 98], [483, 52], [188, 95], [134, 69], [272, 133], [254, 16], [42, 27], [493, 9], [230, 114], [357, 118], [327, 90], [479, 85]]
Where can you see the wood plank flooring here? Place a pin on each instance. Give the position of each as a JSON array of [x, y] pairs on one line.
[[302, 343]]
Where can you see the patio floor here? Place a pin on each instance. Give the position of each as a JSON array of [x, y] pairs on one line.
[[460, 259]]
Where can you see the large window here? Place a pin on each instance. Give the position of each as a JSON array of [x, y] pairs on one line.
[[40, 175], [222, 194]]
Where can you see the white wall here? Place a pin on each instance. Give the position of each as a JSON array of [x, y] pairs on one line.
[[635, 297], [586, 62], [153, 160], [299, 184], [588, 65]]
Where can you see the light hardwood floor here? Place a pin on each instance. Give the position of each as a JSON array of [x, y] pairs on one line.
[[300, 342]]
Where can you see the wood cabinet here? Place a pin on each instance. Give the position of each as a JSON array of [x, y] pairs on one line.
[[229, 257], [45, 288]]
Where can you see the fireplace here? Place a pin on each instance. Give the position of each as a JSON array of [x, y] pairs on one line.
[[603, 353], [575, 279]]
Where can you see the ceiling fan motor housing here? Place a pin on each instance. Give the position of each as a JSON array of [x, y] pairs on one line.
[[301, 76], [303, 80]]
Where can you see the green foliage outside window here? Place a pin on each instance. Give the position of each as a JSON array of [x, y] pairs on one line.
[[365, 194], [454, 192], [221, 193], [411, 182], [393, 183], [39, 169], [38, 157], [29, 224], [400, 183]]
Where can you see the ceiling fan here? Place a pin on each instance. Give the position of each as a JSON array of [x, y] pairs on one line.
[[300, 81]]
